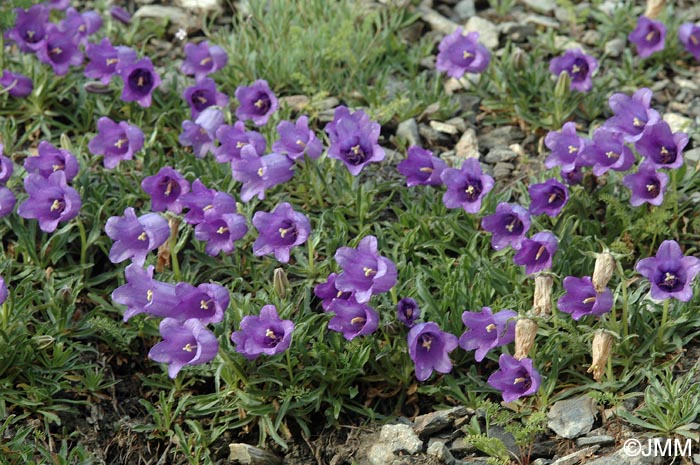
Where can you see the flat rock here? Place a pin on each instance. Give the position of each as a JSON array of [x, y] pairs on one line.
[[468, 145], [201, 6], [678, 123], [408, 130], [602, 440], [503, 136], [175, 15], [571, 418], [620, 457], [444, 127], [400, 438], [541, 6], [615, 47], [692, 155], [502, 170], [576, 457], [465, 9], [500, 154], [431, 423], [380, 454], [295, 102], [436, 21], [488, 32]]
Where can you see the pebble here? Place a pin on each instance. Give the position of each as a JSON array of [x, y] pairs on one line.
[[576, 457], [431, 423], [468, 145], [328, 103], [621, 458], [499, 154], [541, 6], [603, 440], [408, 130], [503, 136], [692, 156], [615, 47], [444, 127], [686, 83], [591, 37], [437, 22], [502, 170], [439, 450], [571, 418], [678, 123], [177, 16], [462, 447], [465, 9], [432, 135], [295, 102], [400, 438], [488, 32], [544, 21], [201, 6]]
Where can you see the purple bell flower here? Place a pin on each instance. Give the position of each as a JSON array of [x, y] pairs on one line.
[[6, 167], [120, 14], [15, 84], [165, 189], [648, 36], [140, 80], [407, 311], [260, 335], [7, 201], [461, 53], [353, 319], [206, 302], [566, 146], [202, 59], [328, 292], [4, 292], [116, 141], [105, 59], [581, 298], [50, 160], [221, 232], [647, 185], [297, 140], [508, 224], [578, 66], [135, 237], [536, 253], [57, 4], [51, 200], [632, 114], [143, 294], [689, 35], [232, 139], [486, 331], [428, 347], [203, 95], [80, 25], [260, 173], [365, 272], [29, 32], [279, 231], [421, 167], [466, 187], [354, 139], [201, 134], [184, 343], [60, 50], [669, 272], [661, 147], [198, 199], [257, 102], [515, 378], [548, 197], [608, 152]]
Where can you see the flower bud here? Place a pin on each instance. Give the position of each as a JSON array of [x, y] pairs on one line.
[[163, 258], [603, 271], [542, 302], [561, 90], [600, 351], [654, 8], [280, 282], [525, 332], [519, 58]]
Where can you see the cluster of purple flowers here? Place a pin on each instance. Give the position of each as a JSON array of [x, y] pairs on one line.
[[649, 36]]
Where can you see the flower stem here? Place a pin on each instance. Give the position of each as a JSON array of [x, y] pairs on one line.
[[83, 243], [625, 308], [664, 318]]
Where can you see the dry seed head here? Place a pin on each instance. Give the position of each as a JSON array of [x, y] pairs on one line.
[[654, 8], [603, 271], [542, 302], [525, 332], [600, 351]]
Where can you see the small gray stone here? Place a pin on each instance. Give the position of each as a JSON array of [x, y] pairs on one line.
[[488, 32], [408, 130], [465, 9], [499, 154], [619, 457], [572, 417], [457, 122], [503, 136], [328, 103], [541, 6], [502, 170], [431, 135], [544, 21], [678, 123], [591, 37], [177, 16], [468, 145], [615, 47], [439, 450], [686, 83], [462, 447], [295, 102], [603, 440], [499, 432], [380, 454], [692, 156], [437, 22], [541, 461], [576, 457], [444, 127], [400, 438], [431, 423], [201, 6]]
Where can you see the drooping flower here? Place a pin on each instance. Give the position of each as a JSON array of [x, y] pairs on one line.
[[508, 224], [7, 201], [201, 134], [206, 302], [328, 292], [582, 299], [689, 35], [60, 50], [51, 159], [578, 65], [352, 318], [632, 114], [51, 200], [297, 140], [421, 167], [15, 84], [135, 237], [116, 141], [466, 187], [140, 80], [647, 185], [536, 253], [486, 331], [407, 311], [648, 36], [365, 272], [661, 147], [354, 139], [106, 58], [184, 343], [428, 347], [279, 231], [460, 53], [257, 102], [566, 146], [165, 189], [29, 32], [266, 334], [203, 95], [548, 197], [515, 378], [608, 152], [260, 173], [143, 294], [232, 139], [203, 59], [120, 14], [670, 272]]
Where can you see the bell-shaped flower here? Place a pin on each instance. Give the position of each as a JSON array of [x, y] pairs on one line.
[[647, 185], [581, 298], [536, 253], [421, 167], [548, 197], [578, 66], [297, 140], [428, 347], [466, 187], [265, 334], [670, 272], [508, 224], [165, 189], [461, 52], [648, 36], [116, 141], [184, 343], [354, 139], [660, 147], [279, 231], [515, 378], [486, 331], [365, 272], [143, 294], [257, 102], [352, 319], [135, 237], [203, 59], [51, 200]]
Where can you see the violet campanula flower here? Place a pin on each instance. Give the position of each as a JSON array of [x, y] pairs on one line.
[[198, 199], [257, 102], [6, 167], [428, 347], [15, 84], [51, 200], [140, 80], [647, 185], [120, 14], [578, 66], [206, 302], [4, 291], [632, 114], [515, 378], [143, 294], [486, 331], [536, 253], [354, 139], [581, 298], [105, 59], [661, 147], [365, 272], [352, 318], [260, 173], [265, 334], [566, 146], [548, 197], [60, 50], [421, 167], [80, 25], [328, 292], [232, 139], [165, 189], [670, 272], [50, 160], [508, 224], [201, 134], [115, 141], [608, 152], [202, 59], [135, 237], [202, 95], [407, 311], [648, 36], [57, 4], [689, 35], [466, 187], [573, 177], [29, 32], [220, 232], [297, 140], [7, 201], [184, 343], [279, 231], [461, 52]]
